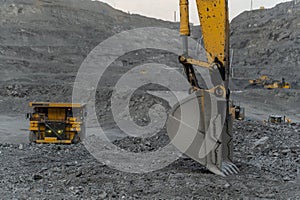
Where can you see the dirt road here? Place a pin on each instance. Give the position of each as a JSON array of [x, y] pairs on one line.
[[13, 129]]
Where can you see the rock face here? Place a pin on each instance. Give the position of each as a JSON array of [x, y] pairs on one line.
[[267, 42], [43, 43]]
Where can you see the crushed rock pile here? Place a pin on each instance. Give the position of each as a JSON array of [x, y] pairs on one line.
[[267, 156]]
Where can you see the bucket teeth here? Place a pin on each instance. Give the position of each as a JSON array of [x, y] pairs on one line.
[[228, 168]]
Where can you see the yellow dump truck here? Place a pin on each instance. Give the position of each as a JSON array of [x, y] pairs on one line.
[[278, 119], [260, 81], [61, 123]]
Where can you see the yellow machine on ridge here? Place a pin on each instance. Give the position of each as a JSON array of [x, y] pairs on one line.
[[278, 84], [61, 123], [268, 83]]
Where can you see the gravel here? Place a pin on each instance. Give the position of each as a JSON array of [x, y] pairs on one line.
[[70, 171]]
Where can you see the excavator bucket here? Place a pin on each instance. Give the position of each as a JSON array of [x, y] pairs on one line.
[[199, 126]]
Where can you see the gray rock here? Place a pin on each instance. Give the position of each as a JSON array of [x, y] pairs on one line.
[[37, 177], [261, 142]]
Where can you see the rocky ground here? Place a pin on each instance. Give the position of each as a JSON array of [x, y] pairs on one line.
[[267, 156], [42, 45]]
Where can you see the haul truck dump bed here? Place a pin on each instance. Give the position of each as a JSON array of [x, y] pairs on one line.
[[61, 123]]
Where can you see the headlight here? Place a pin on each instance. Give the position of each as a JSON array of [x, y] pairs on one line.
[[49, 131], [60, 131]]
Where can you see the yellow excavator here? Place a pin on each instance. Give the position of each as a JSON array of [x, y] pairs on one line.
[[201, 125], [278, 84], [268, 83]]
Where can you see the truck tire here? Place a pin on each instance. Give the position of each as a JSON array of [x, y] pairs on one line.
[[32, 137], [82, 132], [76, 138]]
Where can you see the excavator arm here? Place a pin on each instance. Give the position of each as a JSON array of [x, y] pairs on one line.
[[212, 138], [213, 17]]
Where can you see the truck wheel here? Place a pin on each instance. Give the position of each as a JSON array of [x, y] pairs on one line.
[[32, 137], [76, 139], [82, 132]]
